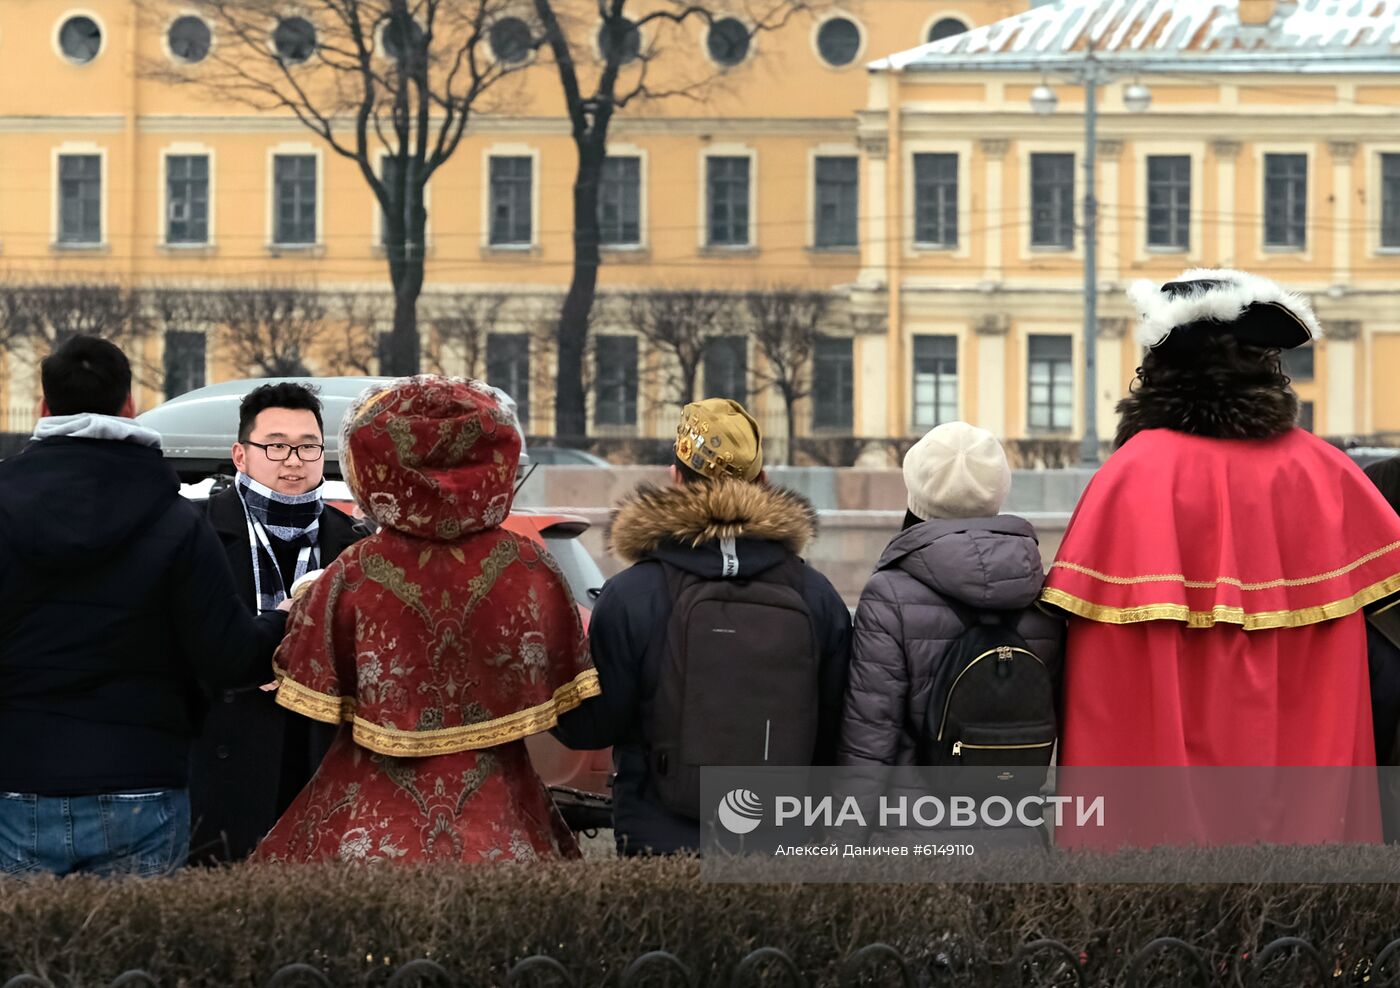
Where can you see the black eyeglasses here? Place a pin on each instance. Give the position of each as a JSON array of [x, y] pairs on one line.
[[277, 452]]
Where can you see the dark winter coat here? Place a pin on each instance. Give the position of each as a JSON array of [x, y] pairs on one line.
[[115, 598], [682, 526], [926, 588], [252, 757]]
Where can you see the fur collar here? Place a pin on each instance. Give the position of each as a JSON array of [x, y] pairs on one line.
[[1202, 407], [1159, 314], [696, 513]]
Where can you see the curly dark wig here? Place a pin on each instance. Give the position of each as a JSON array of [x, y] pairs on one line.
[[1212, 386]]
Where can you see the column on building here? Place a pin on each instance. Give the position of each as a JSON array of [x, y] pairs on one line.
[[869, 299], [991, 333], [870, 356], [1343, 157], [1110, 209], [1227, 155], [1341, 337], [1112, 338], [994, 154]]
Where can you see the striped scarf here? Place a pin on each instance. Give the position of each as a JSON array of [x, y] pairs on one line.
[[294, 518]]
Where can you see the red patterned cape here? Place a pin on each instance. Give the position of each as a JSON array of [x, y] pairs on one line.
[[439, 644], [1215, 589]]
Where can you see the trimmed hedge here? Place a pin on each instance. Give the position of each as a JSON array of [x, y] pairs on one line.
[[237, 926]]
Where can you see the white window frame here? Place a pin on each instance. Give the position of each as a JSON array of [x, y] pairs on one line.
[[183, 149], [1024, 333], [1311, 213], [1372, 158], [963, 248], [962, 348], [1137, 220], [299, 148], [510, 151], [727, 151], [1024, 150], [643, 189], [84, 148], [851, 150], [856, 63], [64, 18], [377, 215], [170, 22]]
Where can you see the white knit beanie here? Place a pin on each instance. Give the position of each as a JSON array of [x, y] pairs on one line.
[[956, 471]]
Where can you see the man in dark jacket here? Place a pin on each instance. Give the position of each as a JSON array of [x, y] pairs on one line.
[[719, 521], [115, 600], [253, 757]]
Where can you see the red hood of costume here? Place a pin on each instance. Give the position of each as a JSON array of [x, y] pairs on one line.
[[1262, 533], [432, 457]]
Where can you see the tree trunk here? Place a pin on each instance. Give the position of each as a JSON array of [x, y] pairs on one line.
[[790, 403], [570, 403], [405, 249]]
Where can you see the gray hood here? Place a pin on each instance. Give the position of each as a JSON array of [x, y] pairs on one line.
[[990, 563]]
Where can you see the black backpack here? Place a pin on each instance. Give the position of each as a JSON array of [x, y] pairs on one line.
[[992, 703], [738, 681]]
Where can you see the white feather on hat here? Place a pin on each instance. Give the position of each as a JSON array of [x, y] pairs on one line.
[[1159, 313]]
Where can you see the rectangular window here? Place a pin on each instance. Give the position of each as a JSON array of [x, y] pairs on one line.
[[1050, 402], [727, 183], [1286, 200], [508, 368], [935, 380], [1052, 200], [389, 175], [187, 199], [837, 198], [1298, 364], [1305, 415], [184, 362], [833, 383], [936, 199], [1390, 200], [615, 381], [727, 368], [512, 187], [1169, 201], [620, 202], [294, 177], [80, 199]]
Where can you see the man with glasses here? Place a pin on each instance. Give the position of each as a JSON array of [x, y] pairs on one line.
[[253, 757]]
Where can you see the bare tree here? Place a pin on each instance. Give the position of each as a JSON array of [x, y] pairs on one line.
[[357, 317], [786, 324], [387, 84], [633, 37], [461, 322], [679, 324], [47, 313], [269, 330]]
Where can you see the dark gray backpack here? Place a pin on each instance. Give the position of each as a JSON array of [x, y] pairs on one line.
[[738, 681]]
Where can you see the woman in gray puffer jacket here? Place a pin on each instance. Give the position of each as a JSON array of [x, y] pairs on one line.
[[955, 556]]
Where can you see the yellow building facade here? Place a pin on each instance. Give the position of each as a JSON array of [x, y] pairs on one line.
[[109, 174], [1269, 145]]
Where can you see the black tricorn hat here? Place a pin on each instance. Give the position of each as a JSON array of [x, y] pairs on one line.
[[1254, 310]]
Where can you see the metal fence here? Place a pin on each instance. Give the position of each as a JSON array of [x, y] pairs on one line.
[[1166, 962]]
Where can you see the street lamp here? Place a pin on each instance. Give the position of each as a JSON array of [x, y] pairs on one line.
[[1137, 98]]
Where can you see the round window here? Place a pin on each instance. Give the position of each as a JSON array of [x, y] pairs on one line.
[[510, 39], [839, 41], [294, 39], [400, 36], [728, 41], [80, 39], [189, 39], [620, 41], [947, 27]]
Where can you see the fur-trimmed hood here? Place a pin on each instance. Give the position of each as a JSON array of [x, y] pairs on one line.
[[686, 517]]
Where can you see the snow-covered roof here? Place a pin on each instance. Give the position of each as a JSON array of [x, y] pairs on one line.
[[1302, 36]]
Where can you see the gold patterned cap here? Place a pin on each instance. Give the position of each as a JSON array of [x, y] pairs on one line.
[[717, 438]]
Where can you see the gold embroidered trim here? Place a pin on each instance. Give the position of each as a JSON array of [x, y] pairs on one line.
[[1127, 581], [444, 741], [1221, 614]]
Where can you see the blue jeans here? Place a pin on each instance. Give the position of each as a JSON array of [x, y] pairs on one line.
[[138, 833]]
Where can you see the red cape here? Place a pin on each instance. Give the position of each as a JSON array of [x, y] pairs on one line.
[[1215, 589]]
